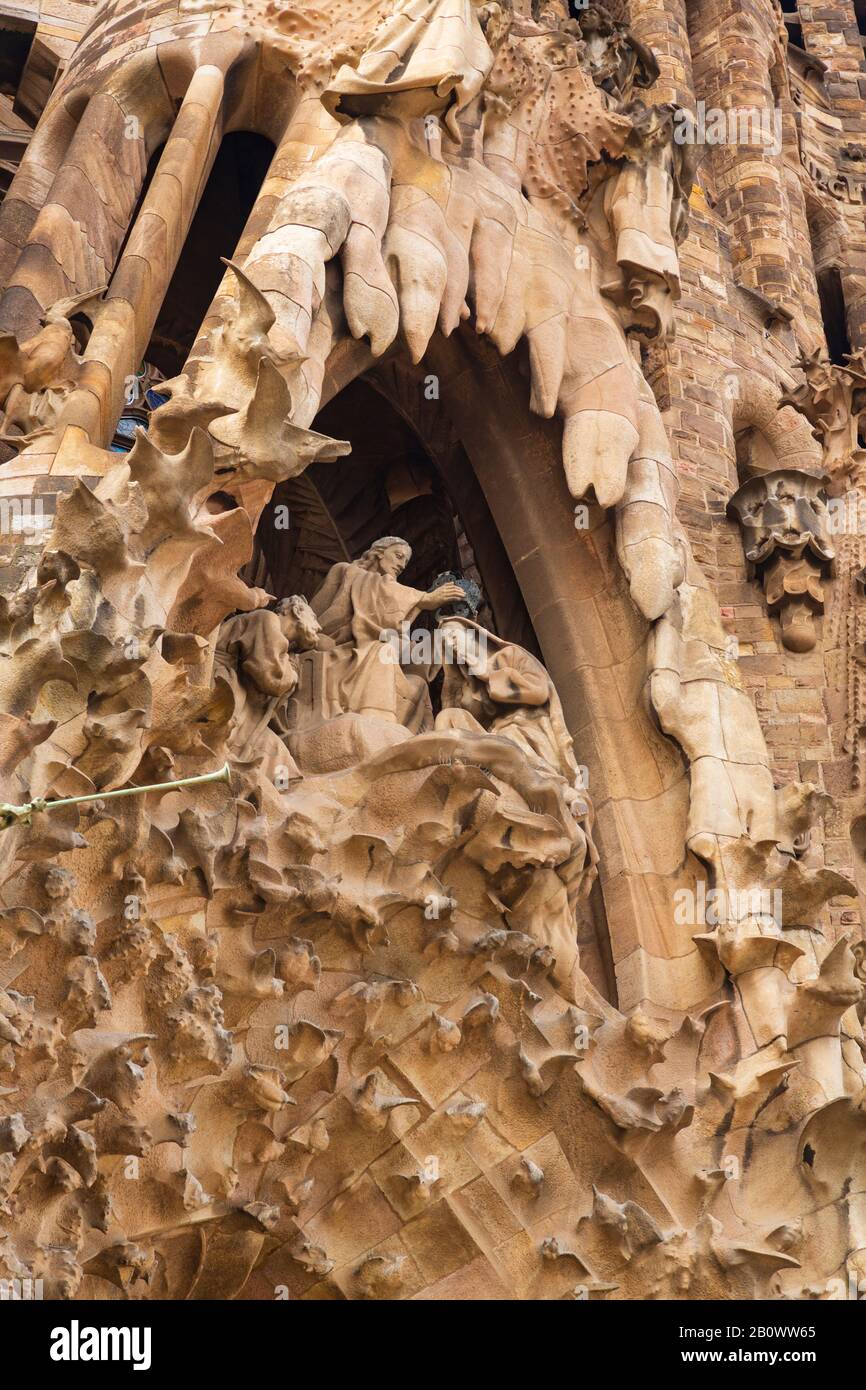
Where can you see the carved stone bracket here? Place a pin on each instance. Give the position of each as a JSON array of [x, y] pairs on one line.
[[785, 526], [833, 398]]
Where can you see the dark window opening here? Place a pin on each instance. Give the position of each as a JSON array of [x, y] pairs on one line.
[[833, 314], [226, 203], [860, 14], [792, 24], [16, 41], [28, 68]]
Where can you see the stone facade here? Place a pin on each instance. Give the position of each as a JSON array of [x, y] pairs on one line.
[[444, 418]]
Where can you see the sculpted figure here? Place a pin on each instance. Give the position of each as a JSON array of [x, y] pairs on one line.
[[254, 657], [617, 60], [358, 605], [496, 687]]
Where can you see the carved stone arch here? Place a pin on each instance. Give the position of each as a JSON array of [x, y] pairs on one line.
[[766, 437], [593, 641]]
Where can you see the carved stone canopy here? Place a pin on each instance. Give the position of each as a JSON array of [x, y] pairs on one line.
[[786, 537]]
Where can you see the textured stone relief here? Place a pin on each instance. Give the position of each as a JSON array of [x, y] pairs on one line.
[[786, 537], [326, 1028], [831, 399]]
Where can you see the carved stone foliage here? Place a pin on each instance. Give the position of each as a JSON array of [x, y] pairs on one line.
[[787, 541]]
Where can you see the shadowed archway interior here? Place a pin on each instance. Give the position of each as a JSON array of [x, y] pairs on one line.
[[226, 202], [426, 491]]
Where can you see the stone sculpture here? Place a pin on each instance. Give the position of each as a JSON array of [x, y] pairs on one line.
[[786, 531], [359, 606], [253, 656], [487, 974], [498, 688]]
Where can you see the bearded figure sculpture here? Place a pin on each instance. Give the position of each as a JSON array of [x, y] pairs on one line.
[[786, 530], [359, 607], [408, 1009]]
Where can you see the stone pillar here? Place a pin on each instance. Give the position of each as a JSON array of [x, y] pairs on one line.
[[664, 29], [73, 242], [124, 325], [734, 52]]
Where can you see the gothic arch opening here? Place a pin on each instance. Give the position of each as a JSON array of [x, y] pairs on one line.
[[394, 482]]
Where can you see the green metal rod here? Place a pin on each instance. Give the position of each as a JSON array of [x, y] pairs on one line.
[[22, 815]]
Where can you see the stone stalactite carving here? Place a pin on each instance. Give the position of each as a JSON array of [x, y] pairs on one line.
[[786, 537], [326, 1029]]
